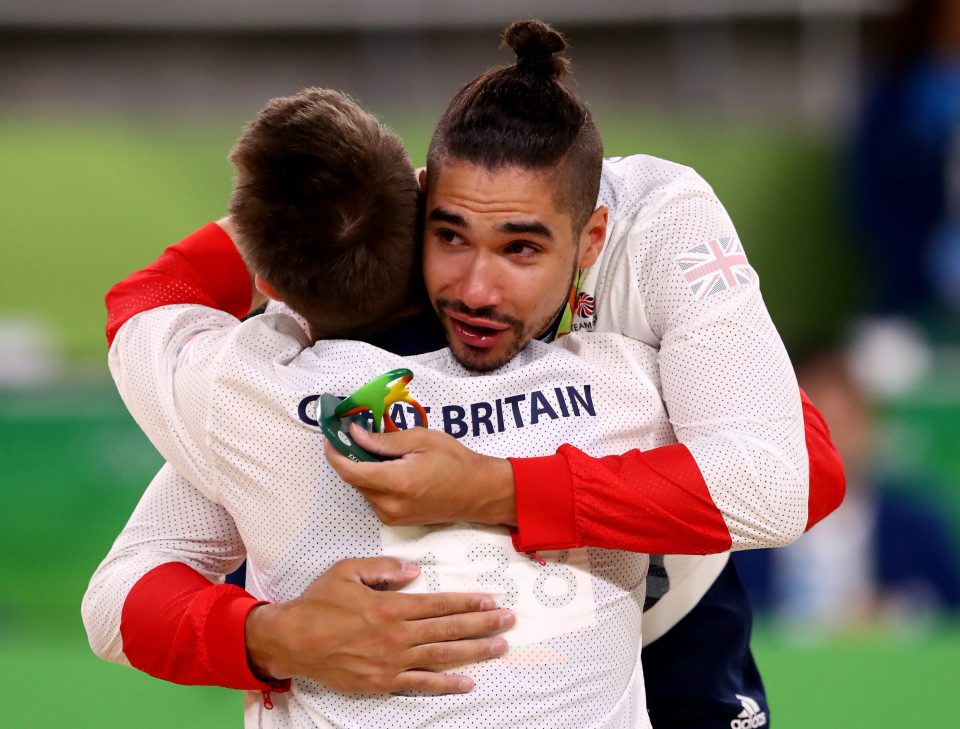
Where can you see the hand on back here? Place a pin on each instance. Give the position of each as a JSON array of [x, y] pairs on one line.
[[352, 632]]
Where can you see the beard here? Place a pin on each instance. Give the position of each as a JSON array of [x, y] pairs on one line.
[[479, 359]]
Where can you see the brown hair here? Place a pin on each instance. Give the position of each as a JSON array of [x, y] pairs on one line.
[[524, 116], [325, 206]]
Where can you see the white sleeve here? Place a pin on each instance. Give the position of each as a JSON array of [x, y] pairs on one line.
[[164, 363], [728, 384], [173, 522]]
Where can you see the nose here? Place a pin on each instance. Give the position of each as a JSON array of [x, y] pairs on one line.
[[480, 284]]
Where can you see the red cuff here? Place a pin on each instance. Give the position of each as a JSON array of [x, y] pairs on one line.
[[652, 501], [226, 646], [545, 504], [179, 626]]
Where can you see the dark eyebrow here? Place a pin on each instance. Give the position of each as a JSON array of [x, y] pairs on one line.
[[519, 227], [525, 226], [445, 216]]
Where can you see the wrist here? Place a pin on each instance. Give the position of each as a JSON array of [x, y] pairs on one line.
[[261, 647], [499, 504]]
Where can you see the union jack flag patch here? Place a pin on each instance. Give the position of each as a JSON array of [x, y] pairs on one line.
[[584, 307], [716, 266]]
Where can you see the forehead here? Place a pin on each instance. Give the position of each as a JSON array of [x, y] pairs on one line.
[[475, 191]]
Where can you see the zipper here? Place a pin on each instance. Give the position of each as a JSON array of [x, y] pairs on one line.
[[537, 558]]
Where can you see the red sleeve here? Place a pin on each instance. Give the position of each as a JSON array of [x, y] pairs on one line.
[[828, 485], [652, 501], [178, 626], [204, 268], [643, 501]]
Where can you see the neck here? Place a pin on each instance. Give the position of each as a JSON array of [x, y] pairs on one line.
[[371, 332], [553, 330]]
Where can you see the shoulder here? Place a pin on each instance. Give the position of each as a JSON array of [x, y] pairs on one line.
[[630, 184], [660, 211], [347, 355], [269, 336], [607, 350]]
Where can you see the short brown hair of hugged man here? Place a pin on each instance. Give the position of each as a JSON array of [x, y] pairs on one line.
[[325, 207]]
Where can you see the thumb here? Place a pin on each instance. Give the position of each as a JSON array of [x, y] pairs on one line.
[[382, 573], [392, 445]]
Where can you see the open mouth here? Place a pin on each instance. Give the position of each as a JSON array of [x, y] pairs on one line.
[[476, 334]]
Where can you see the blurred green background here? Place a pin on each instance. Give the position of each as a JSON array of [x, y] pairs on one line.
[[89, 203], [92, 191]]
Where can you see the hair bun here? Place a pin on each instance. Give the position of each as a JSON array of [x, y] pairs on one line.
[[536, 45]]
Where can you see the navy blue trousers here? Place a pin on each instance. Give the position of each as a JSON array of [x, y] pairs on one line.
[[701, 672]]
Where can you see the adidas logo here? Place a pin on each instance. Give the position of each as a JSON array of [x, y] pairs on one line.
[[751, 717]]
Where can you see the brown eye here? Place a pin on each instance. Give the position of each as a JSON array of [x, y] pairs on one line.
[[521, 249], [448, 236]]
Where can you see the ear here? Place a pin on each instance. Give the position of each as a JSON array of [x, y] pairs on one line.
[[422, 178], [264, 287], [592, 236]]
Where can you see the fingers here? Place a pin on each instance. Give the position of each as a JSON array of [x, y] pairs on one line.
[[392, 445], [360, 475], [382, 573], [440, 604], [433, 683], [341, 464], [428, 660], [458, 627], [451, 654]]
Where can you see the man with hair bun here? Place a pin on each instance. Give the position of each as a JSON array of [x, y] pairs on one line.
[[515, 155]]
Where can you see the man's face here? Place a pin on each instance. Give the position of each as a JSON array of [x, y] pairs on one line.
[[499, 258]]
